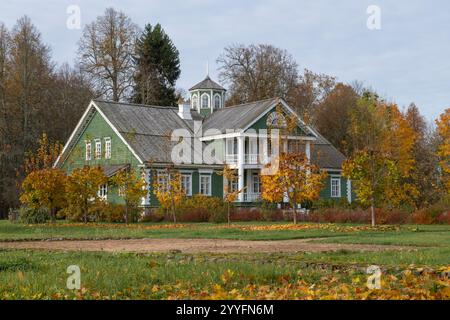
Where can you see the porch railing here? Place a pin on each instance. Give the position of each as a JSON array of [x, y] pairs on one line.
[[252, 197]]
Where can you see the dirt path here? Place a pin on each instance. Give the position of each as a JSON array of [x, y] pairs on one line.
[[194, 245]]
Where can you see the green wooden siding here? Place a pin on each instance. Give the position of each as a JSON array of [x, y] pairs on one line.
[[326, 191], [98, 128], [216, 184]]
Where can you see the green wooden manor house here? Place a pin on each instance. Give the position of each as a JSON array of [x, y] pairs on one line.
[[116, 135]]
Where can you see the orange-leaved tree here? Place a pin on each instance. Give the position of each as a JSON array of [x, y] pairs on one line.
[[443, 127], [230, 193], [296, 178], [168, 189], [382, 164], [82, 188], [44, 157], [44, 188], [132, 188]]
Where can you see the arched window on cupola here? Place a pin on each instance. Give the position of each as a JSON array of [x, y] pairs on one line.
[[205, 101], [217, 102], [194, 101]]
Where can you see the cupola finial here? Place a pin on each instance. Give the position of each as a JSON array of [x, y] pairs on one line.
[[207, 68]]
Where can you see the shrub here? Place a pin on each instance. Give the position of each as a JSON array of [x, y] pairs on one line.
[[152, 215], [71, 213], [34, 215], [13, 215], [436, 213], [102, 211], [247, 214], [200, 208], [268, 211]]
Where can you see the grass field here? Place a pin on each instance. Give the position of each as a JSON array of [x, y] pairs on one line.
[[416, 273]]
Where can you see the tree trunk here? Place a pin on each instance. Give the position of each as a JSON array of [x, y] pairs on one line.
[[228, 213], [126, 212], [173, 211], [85, 211], [372, 211], [294, 207]]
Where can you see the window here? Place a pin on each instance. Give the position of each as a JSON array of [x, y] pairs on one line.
[[107, 148], [234, 186], [121, 191], [205, 184], [103, 191], [256, 183], [98, 149], [231, 146], [88, 150], [186, 183], [216, 101], [276, 120], [163, 180], [194, 101], [335, 187], [205, 101]]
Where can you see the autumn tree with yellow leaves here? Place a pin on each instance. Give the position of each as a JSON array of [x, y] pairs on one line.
[[230, 193], [132, 188], [295, 178], [443, 128], [44, 188], [383, 160], [168, 190], [44, 157], [82, 188]]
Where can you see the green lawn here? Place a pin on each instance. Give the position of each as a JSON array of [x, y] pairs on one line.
[[327, 275], [42, 275], [435, 235]]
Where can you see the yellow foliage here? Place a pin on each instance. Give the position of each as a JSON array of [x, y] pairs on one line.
[[44, 188], [296, 177], [443, 126]]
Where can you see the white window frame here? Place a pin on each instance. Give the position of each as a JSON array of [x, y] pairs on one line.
[[209, 185], [163, 179], [103, 192], [217, 96], [194, 101], [256, 180], [108, 148], [231, 146], [201, 101], [335, 193], [187, 187], [98, 149], [88, 152]]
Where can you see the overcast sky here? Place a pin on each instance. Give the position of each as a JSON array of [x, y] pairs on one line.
[[406, 60]]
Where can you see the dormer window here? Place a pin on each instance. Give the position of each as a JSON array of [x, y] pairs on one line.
[[205, 101], [217, 102], [194, 101]]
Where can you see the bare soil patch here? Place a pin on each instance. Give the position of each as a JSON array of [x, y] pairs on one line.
[[195, 245]]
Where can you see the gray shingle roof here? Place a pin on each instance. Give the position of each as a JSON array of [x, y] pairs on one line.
[[207, 83], [237, 117], [146, 129], [326, 156]]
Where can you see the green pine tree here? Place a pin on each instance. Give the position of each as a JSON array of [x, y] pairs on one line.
[[157, 68]]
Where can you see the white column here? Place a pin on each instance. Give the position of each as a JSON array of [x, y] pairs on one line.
[[240, 165], [249, 189], [308, 150], [349, 191], [211, 101]]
